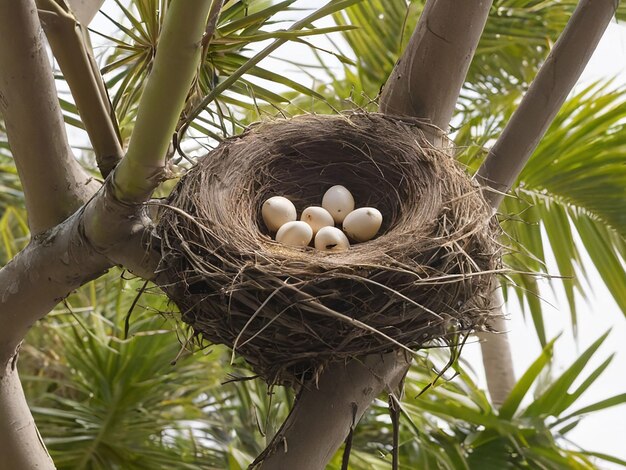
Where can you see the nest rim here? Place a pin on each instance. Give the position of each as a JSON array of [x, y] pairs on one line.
[[291, 285]]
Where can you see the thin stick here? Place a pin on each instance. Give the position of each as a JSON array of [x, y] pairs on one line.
[[345, 460], [162, 101], [394, 413], [132, 307], [70, 44]]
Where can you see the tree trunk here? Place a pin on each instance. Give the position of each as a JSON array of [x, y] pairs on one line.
[[326, 411], [426, 80], [22, 446], [544, 98], [497, 356]]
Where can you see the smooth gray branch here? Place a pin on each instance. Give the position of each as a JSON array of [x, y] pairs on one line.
[[21, 446], [54, 183], [427, 80], [544, 98], [325, 411], [71, 46], [496, 352]]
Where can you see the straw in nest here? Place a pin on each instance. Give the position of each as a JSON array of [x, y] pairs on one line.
[[290, 311]]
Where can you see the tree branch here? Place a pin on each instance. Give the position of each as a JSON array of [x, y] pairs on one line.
[[507, 157], [325, 412], [22, 447], [496, 353], [544, 98], [39, 277], [174, 69], [211, 25], [427, 80], [71, 46], [62, 259], [54, 183]]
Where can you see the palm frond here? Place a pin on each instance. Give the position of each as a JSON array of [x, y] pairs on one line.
[[102, 400], [456, 427], [231, 57]]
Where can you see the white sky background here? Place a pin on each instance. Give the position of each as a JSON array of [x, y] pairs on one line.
[[603, 431]]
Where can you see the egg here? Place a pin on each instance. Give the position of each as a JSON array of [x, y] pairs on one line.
[[363, 223], [277, 211], [339, 202], [295, 233], [317, 217], [331, 239]]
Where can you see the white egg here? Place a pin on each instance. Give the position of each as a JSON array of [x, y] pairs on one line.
[[317, 217], [295, 233], [331, 239], [363, 223], [339, 202], [277, 211]]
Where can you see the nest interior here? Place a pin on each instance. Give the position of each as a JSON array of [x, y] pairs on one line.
[[290, 311]]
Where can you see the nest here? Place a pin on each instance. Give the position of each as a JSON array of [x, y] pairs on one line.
[[290, 311]]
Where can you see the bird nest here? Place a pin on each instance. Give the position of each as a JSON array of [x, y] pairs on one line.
[[290, 311]]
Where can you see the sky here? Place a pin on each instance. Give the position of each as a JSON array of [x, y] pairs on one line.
[[604, 431]]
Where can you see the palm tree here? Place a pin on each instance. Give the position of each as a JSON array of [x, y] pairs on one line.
[[97, 399]]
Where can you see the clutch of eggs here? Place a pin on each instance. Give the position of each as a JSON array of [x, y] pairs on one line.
[[317, 224]]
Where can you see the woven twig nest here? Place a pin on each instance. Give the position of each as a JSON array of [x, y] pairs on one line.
[[290, 311]]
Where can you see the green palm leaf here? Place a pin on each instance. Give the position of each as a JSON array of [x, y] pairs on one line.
[[113, 402], [241, 24], [477, 436]]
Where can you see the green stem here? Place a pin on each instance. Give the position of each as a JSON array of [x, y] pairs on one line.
[[174, 69]]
